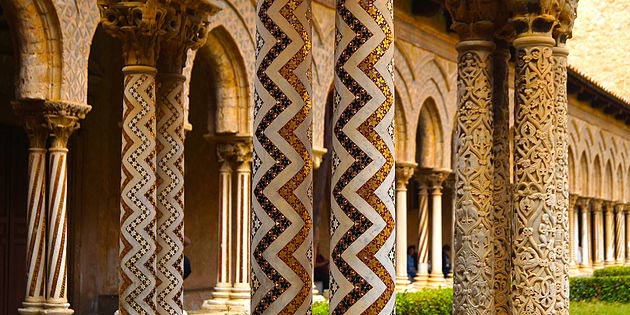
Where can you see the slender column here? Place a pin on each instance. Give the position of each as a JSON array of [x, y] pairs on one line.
[[363, 223], [627, 223], [282, 182], [240, 295], [621, 234], [420, 281], [137, 283], [36, 211], [404, 171], [610, 233], [573, 235], [584, 204], [598, 233], [436, 278], [501, 179]]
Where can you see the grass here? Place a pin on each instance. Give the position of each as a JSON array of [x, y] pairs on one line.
[[599, 308]]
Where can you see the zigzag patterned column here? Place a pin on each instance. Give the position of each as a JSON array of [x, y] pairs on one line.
[[282, 236], [621, 234], [362, 220], [420, 281], [36, 211]]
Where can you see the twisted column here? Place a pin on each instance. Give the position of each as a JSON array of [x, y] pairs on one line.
[[621, 234], [573, 241], [420, 281], [610, 233], [584, 204], [363, 224], [598, 233], [435, 179], [282, 183], [37, 132], [404, 171]]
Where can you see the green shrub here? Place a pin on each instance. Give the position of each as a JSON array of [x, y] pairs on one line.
[[320, 308], [612, 271], [425, 302], [606, 289]]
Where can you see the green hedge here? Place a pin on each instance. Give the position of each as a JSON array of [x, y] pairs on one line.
[[612, 271], [606, 289], [424, 302]]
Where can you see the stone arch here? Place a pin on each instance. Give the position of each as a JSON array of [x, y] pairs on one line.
[[619, 183], [571, 161], [400, 126], [608, 187], [429, 136], [585, 176], [596, 182], [232, 113]]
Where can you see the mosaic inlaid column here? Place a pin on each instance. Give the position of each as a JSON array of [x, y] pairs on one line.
[[534, 251], [609, 228], [501, 198], [573, 267], [620, 235], [282, 182], [598, 233], [585, 209], [241, 291], [363, 223], [436, 179], [138, 24], [404, 171], [420, 281], [37, 132], [473, 252]]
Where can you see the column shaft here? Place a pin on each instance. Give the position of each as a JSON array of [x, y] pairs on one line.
[[598, 234], [586, 234], [610, 234], [627, 224], [404, 171], [282, 182], [363, 192], [436, 278], [420, 281], [620, 245], [170, 194], [573, 235]]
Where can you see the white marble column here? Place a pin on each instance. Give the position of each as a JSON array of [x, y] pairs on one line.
[[404, 171], [421, 278], [573, 241], [610, 233], [627, 213], [584, 204], [620, 245], [598, 233], [436, 278]]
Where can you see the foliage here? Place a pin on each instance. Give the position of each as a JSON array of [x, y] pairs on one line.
[[584, 308], [612, 271], [606, 289], [320, 308]]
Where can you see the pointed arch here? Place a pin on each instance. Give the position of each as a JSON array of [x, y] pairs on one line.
[[609, 183], [571, 161], [619, 184], [596, 182], [429, 136], [584, 177]]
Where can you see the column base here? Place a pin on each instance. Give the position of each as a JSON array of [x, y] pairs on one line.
[[240, 299], [218, 303], [436, 281], [402, 284], [619, 262], [586, 269], [573, 269], [317, 296], [627, 262], [609, 263], [598, 265], [57, 309], [420, 281]]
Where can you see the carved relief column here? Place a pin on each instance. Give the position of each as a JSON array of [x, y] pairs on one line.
[[139, 26], [584, 204], [598, 233], [37, 132], [435, 179], [610, 233], [420, 281], [572, 234], [621, 234], [404, 171], [538, 278], [474, 216]]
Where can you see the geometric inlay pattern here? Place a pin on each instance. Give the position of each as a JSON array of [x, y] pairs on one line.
[[281, 266], [362, 267]]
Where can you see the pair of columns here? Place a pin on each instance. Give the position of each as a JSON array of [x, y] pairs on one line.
[[152, 166], [49, 125], [232, 291], [428, 180], [511, 242]]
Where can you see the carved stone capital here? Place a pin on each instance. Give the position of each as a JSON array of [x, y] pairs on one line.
[[609, 206], [564, 28], [620, 207], [139, 24], [583, 202], [404, 172], [598, 205], [239, 152], [435, 180], [537, 17], [627, 208], [573, 198]]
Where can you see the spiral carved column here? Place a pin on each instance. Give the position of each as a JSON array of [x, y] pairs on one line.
[[598, 233], [620, 238], [362, 225], [420, 281], [585, 210], [282, 183], [609, 207], [404, 171]]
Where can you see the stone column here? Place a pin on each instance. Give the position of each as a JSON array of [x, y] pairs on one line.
[[584, 204], [282, 181], [573, 268], [474, 214], [363, 192], [598, 233], [538, 229], [627, 227], [621, 234], [404, 171], [420, 281], [436, 278], [62, 119], [240, 295], [37, 132], [221, 292], [138, 25], [610, 233]]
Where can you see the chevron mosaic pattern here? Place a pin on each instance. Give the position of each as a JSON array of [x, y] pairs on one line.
[[362, 220], [282, 163]]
